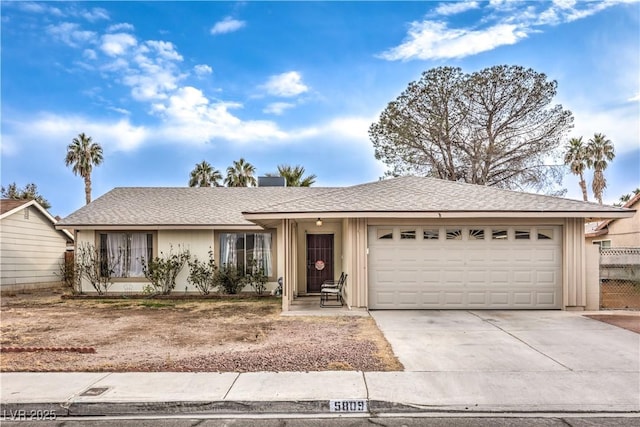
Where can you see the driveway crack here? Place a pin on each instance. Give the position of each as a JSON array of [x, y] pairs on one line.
[[519, 339]]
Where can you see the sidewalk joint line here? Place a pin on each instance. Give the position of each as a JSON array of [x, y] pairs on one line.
[[519, 339], [69, 401], [231, 386]]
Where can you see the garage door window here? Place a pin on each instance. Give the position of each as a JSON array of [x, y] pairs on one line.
[[523, 234], [476, 234], [499, 234], [454, 234], [385, 233], [431, 234], [545, 234], [408, 234]]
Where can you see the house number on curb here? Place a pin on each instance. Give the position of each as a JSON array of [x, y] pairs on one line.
[[348, 405]]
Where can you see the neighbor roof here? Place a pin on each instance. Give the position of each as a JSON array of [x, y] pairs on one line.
[[10, 206], [180, 207], [7, 205], [435, 196], [602, 228]]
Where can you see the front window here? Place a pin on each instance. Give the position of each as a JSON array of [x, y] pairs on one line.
[[123, 253], [243, 250]]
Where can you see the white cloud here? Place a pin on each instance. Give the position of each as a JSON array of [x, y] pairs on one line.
[[635, 98], [227, 25], [118, 135], [89, 54], [117, 44], [95, 14], [165, 50], [32, 7], [120, 27], [277, 108], [286, 85], [506, 22], [455, 7], [70, 34], [202, 70], [120, 110], [191, 118], [620, 126], [434, 40]]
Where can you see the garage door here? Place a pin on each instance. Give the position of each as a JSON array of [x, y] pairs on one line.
[[465, 267]]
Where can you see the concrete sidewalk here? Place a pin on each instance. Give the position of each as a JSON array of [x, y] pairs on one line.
[[109, 394]]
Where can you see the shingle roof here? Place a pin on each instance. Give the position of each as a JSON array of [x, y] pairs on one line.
[[179, 206], [201, 206], [418, 194], [7, 205]]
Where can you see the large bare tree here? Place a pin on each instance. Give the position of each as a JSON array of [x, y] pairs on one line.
[[491, 127]]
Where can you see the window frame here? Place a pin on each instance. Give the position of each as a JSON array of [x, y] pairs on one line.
[[274, 262], [154, 250]]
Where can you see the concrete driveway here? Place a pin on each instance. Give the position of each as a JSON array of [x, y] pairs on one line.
[[508, 361], [511, 341]]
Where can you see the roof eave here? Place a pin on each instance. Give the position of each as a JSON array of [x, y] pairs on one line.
[[113, 227], [255, 216]]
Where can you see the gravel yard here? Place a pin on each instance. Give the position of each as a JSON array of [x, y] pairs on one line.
[[183, 335]]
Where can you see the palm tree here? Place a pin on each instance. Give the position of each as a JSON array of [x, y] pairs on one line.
[[84, 154], [294, 176], [576, 157], [240, 174], [599, 152], [204, 175]]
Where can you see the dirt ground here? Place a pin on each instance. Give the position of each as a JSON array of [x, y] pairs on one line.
[[630, 321], [189, 335]]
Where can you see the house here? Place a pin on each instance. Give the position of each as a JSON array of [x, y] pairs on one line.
[[31, 248], [617, 232], [406, 243]]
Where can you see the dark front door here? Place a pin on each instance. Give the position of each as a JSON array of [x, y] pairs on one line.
[[319, 260]]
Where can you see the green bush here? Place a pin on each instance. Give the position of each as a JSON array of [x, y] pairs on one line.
[[229, 279], [257, 279], [162, 270], [202, 275]]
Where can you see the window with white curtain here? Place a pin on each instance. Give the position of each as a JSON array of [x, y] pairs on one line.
[[123, 252], [241, 249]]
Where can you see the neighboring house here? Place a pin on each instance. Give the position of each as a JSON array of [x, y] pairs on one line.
[[617, 232], [31, 248], [407, 242]]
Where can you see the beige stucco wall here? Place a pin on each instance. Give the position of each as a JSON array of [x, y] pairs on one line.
[[622, 232], [592, 272], [31, 250], [197, 242], [625, 232]]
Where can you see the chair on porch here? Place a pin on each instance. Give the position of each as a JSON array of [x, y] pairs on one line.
[[332, 283], [327, 293]]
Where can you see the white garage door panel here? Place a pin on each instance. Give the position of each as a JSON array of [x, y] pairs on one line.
[[491, 273]]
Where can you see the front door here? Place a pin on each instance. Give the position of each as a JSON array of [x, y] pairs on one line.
[[319, 260]]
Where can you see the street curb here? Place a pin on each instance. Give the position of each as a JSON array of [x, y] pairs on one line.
[[375, 407]]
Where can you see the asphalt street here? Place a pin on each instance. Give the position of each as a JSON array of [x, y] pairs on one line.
[[393, 421]]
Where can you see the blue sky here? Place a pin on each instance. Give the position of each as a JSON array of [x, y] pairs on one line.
[[164, 85]]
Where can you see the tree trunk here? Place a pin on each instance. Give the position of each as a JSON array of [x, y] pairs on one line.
[[583, 186], [87, 188]]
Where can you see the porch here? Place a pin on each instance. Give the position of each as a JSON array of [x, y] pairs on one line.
[[309, 305]]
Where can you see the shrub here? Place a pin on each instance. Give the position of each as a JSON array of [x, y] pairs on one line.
[[229, 279], [202, 275], [96, 269], [257, 279], [70, 274], [162, 270]]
